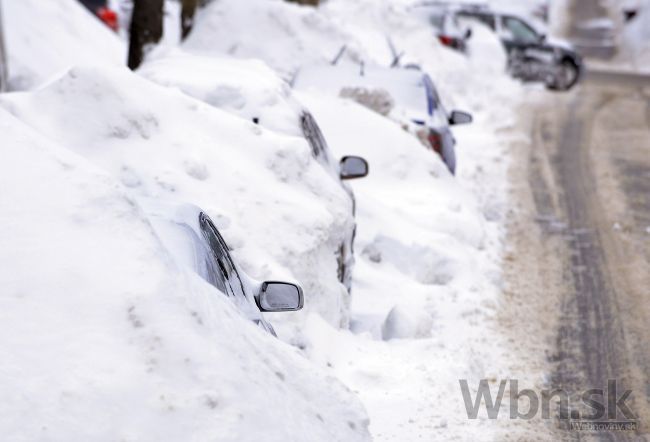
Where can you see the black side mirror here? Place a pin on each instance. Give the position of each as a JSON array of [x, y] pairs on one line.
[[276, 296], [353, 167], [468, 33], [459, 117], [542, 38]]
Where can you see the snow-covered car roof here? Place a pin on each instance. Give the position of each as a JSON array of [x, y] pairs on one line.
[[411, 89], [248, 88]]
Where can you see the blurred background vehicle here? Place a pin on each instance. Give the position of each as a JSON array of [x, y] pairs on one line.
[[194, 242], [449, 30], [407, 94], [101, 9], [251, 90], [532, 56]]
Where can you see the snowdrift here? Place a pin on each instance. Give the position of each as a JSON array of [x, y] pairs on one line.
[[276, 206], [103, 338], [45, 38]]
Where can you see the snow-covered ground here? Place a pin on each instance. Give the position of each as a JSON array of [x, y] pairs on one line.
[[106, 332]]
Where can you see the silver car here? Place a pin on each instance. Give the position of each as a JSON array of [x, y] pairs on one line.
[[194, 242]]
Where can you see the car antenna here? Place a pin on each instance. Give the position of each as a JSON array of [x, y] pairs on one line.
[[393, 51], [339, 55]]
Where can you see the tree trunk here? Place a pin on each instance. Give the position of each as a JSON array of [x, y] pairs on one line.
[[146, 28], [187, 16], [3, 57]]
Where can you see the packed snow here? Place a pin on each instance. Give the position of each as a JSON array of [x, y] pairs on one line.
[[105, 338]]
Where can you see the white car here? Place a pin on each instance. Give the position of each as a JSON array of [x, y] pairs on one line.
[[414, 99], [194, 242]]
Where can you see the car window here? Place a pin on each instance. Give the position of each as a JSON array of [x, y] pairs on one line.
[[518, 30], [433, 101], [486, 19], [222, 272], [314, 136]]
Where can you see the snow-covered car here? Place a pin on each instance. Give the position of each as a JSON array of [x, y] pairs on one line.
[[449, 30], [531, 55], [194, 242], [414, 100], [250, 89]]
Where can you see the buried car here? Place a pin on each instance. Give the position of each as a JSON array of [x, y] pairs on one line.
[[411, 98], [194, 242], [448, 28], [250, 89]]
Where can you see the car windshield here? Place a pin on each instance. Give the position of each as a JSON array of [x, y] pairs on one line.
[[518, 30], [222, 272]]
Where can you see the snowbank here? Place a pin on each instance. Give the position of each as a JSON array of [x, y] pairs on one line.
[[102, 338], [292, 34], [45, 38], [427, 279], [276, 206]]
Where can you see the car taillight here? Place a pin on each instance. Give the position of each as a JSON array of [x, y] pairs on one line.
[[446, 40], [109, 17], [435, 140]]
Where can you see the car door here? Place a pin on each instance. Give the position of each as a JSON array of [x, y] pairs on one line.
[[519, 36]]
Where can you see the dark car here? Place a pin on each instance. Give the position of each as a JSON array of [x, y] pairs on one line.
[[194, 242], [412, 91], [531, 56]]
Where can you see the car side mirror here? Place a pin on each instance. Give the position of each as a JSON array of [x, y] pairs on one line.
[[353, 167], [542, 38], [468, 33], [276, 296], [459, 117]]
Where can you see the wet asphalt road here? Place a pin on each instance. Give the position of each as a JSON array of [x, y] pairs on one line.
[[589, 173]]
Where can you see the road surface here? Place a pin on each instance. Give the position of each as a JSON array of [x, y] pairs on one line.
[[580, 241]]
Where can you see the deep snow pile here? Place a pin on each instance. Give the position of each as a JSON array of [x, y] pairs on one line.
[[45, 38], [248, 88], [103, 338], [427, 281], [292, 34], [276, 206]]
